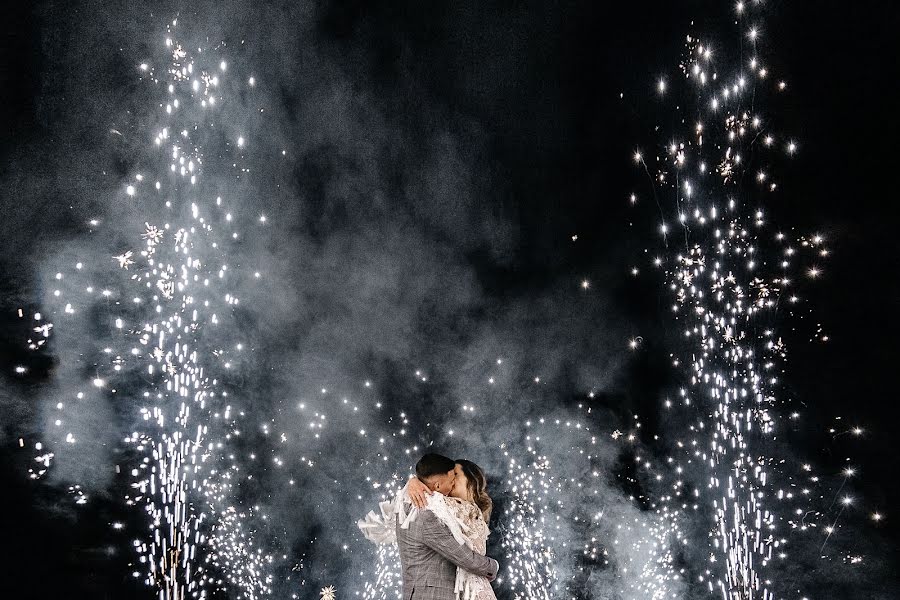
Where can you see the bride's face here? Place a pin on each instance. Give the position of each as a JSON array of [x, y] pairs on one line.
[[460, 485]]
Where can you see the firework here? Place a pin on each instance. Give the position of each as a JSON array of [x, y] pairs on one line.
[[732, 279], [163, 359]]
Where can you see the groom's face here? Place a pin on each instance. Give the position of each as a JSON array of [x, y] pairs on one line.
[[442, 483]]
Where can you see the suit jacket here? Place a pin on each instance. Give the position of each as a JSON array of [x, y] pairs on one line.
[[429, 556]]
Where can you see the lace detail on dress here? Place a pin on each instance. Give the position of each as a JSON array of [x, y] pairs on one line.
[[468, 585], [481, 589], [471, 518]]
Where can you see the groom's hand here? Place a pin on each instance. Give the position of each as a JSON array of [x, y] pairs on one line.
[[418, 492]]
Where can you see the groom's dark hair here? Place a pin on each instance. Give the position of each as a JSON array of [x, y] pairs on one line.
[[433, 464]]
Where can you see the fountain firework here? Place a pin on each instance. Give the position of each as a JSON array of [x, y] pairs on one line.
[[167, 342], [733, 280]]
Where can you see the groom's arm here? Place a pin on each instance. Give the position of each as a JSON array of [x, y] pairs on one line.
[[436, 536]]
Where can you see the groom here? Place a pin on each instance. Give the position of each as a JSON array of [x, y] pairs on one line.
[[429, 554]]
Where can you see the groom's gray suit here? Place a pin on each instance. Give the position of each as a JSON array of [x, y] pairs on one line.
[[429, 555]]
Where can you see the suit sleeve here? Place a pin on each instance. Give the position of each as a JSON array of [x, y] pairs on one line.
[[437, 537]]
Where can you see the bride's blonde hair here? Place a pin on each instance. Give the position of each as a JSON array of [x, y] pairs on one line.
[[477, 484]]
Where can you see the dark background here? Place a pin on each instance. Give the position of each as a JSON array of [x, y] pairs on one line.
[[561, 137]]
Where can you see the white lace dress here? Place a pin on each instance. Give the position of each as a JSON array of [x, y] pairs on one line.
[[462, 518], [468, 585]]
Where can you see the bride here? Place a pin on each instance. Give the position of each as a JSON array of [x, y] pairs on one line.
[[466, 511]]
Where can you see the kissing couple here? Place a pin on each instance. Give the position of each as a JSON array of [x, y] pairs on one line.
[[439, 522]]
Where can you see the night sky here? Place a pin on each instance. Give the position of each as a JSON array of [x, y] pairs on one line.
[[438, 158]]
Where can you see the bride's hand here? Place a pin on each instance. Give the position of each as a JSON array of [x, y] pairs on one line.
[[418, 492]]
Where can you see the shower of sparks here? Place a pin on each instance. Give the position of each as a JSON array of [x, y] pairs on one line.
[[386, 573], [732, 280], [567, 517], [165, 364], [388, 577], [529, 569]]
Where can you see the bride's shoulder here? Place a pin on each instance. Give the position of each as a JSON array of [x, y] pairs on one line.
[[455, 504], [464, 507], [458, 503]]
